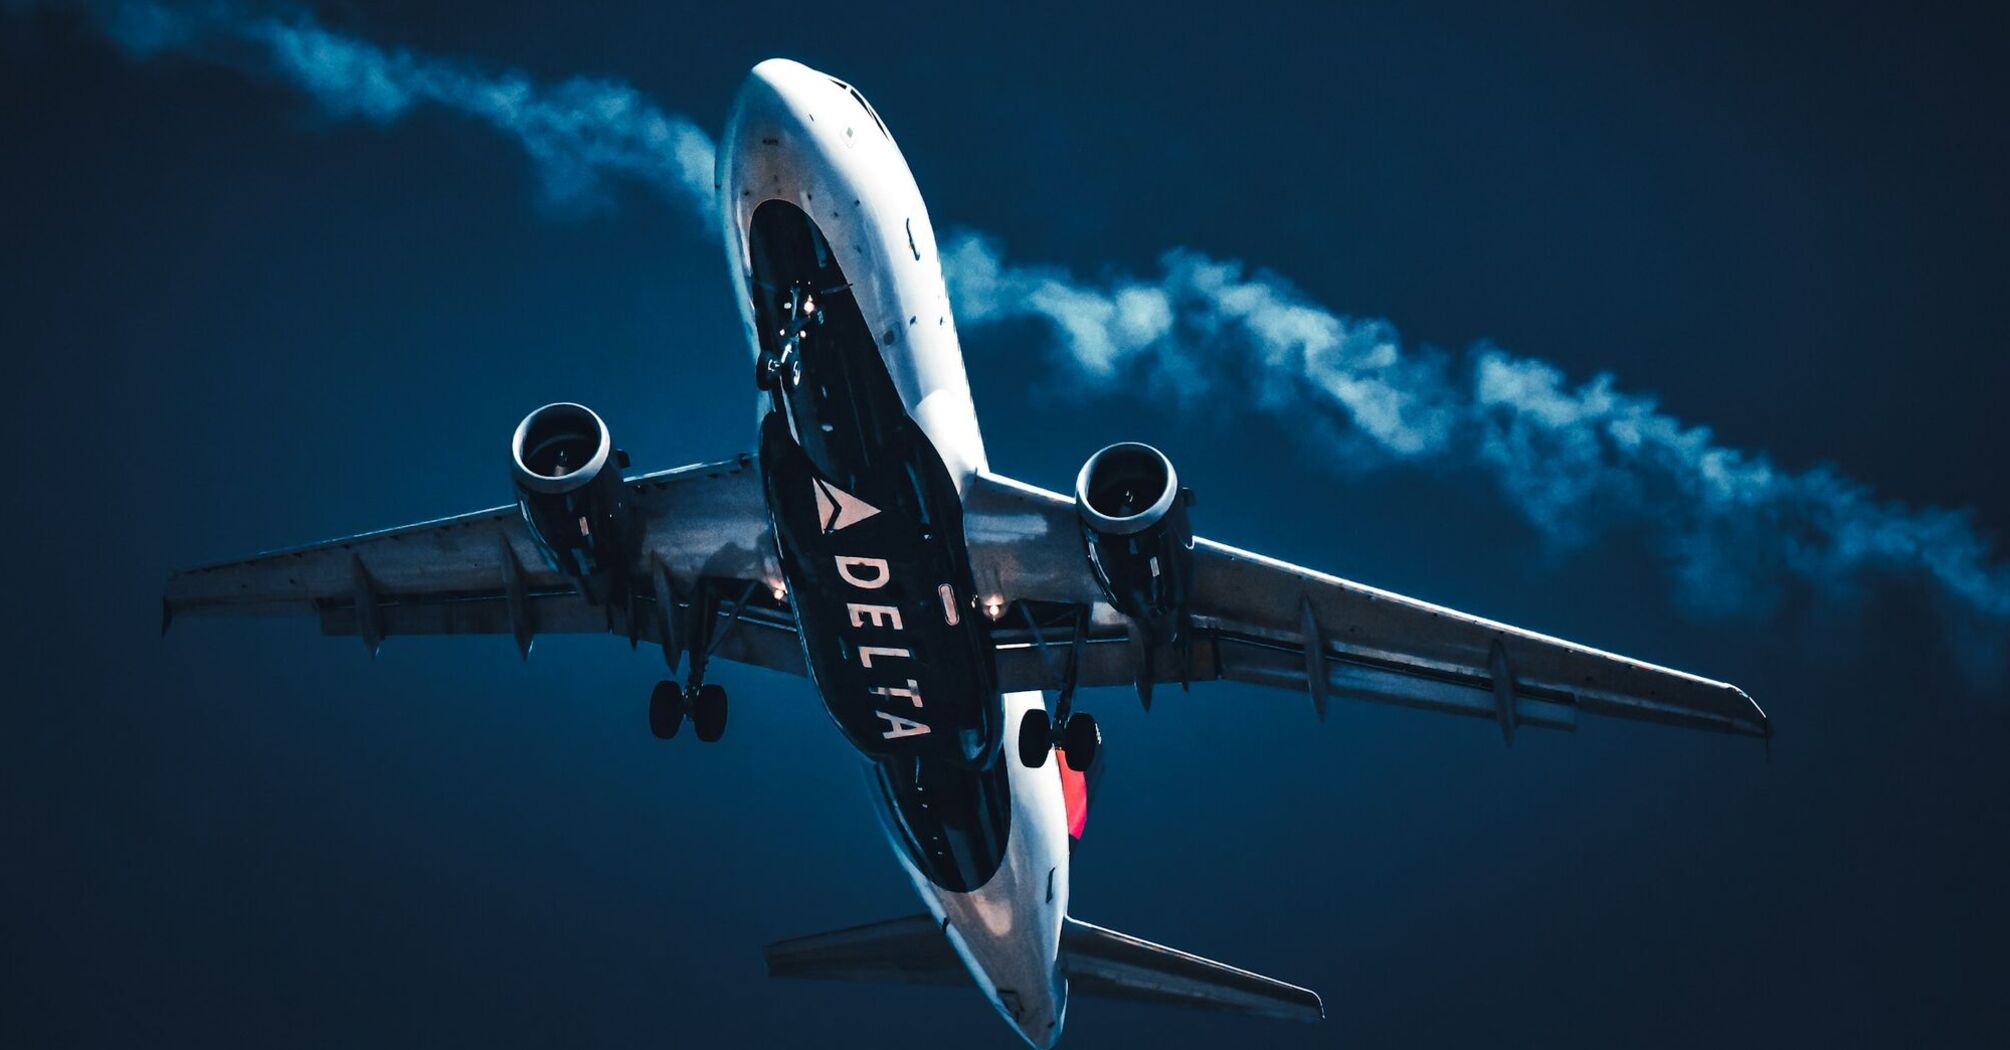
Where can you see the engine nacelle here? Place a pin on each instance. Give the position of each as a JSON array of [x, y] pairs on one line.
[[1134, 519], [568, 484]]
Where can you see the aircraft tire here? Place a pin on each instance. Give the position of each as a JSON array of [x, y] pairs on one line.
[[1081, 738], [1036, 738], [666, 710], [708, 712]]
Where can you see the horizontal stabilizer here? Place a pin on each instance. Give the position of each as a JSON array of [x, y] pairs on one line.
[[1099, 963], [1112, 965], [912, 950]]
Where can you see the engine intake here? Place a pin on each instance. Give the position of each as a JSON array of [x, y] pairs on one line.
[[1140, 542], [568, 484]]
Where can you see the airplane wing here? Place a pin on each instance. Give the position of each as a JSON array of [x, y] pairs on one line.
[[1260, 620], [707, 551]]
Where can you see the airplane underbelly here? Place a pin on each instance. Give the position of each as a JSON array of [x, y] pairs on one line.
[[868, 521], [881, 585], [1006, 927]]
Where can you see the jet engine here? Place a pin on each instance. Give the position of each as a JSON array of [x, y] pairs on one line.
[[568, 484], [1140, 542]]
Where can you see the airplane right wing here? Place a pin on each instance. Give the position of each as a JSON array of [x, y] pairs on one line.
[[1264, 621]]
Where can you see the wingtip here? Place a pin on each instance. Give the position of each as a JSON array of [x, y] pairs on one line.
[[167, 616]]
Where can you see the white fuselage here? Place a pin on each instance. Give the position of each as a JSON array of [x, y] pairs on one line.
[[802, 137]]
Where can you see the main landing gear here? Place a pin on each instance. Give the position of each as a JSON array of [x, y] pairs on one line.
[[705, 704], [1079, 738], [1074, 732]]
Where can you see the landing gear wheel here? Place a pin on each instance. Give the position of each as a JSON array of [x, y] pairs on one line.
[[1081, 738], [708, 712], [1036, 737], [666, 710]]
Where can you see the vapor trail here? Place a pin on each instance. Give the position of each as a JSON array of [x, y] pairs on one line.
[[1576, 461], [576, 131]]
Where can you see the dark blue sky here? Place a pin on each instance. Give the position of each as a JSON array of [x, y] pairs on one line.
[[235, 322]]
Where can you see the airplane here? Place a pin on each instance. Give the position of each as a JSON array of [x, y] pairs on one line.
[[866, 544]]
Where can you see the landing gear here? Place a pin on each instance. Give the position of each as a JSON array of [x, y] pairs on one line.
[[1075, 732], [666, 710], [784, 364], [771, 370], [704, 702], [669, 703], [1081, 738], [708, 712], [1036, 738]]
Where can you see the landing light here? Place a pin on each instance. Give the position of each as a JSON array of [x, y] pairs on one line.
[[994, 606]]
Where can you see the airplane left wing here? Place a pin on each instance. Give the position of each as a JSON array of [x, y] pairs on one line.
[[1259, 620], [706, 552]]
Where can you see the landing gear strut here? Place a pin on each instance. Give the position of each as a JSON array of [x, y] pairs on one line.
[[1075, 732], [705, 703], [784, 364]]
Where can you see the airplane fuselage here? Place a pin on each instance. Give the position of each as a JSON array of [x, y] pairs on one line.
[[868, 442]]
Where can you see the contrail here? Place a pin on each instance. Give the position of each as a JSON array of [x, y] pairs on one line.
[[576, 132], [1576, 461]]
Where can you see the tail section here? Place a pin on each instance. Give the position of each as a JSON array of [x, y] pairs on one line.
[[1099, 963]]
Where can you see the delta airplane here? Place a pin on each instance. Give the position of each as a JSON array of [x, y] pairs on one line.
[[866, 544]]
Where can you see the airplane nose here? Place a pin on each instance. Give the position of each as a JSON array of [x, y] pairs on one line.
[[776, 72], [774, 107], [775, 92]]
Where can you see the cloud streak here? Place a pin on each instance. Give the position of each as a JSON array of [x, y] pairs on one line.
[[1577, 461], [577, 132]]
